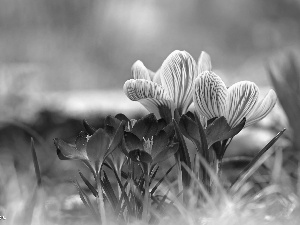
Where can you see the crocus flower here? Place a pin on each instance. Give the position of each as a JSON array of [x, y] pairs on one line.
[[213, 99], [167, 89], [91, 149], [148, 142]]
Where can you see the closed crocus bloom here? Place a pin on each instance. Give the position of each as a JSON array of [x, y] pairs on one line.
[[242, 100], [168, 89]]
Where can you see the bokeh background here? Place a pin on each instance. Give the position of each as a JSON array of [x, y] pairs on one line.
[[65, 60], [82, 46]]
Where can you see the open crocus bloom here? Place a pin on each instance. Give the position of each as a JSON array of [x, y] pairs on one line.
[[167, 89], [213, 99]]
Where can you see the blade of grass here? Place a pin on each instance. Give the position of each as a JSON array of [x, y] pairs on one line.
[[89, 185], [254, 164], [161, 180], [109, 191], [85, 199], [36, 164]]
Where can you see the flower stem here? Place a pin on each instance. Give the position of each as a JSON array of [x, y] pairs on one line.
[[100, 200], [146, 195], [219, 167]]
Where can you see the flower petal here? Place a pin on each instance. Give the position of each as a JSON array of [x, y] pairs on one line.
[[66, 151], [151, 95], [139, 71], [151, 74], [97, 147], [242, 97], [160, 142], [204, 63], [141, 89], [262, 108], [177, 74], [132, 142], [210, 95], [156, 78], [146, 127]]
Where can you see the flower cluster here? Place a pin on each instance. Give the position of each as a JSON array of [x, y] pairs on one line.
[[170, 94], [179, 82]]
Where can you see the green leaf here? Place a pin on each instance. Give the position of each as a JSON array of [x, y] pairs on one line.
[[138, 155], [66, 151], [122, 117], [189, 129], [217, 131], [112, 121], [190, 115], [203, 152], [132, 142], [203, 140], [111, 125], [81, 142], [169, 129], [250, 168], [117, 138], [89, 129], [110, 194], [85, 199], [166, 153], [153, 173], [36, 164], [160, 142], [165, 112], [161, 123], [161, 180], [97, 147], [89, 185], [183, 154], [145, 127], [234, 131]]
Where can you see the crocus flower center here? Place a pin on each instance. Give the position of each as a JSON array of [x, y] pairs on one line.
[[148, 144], [130, 125]]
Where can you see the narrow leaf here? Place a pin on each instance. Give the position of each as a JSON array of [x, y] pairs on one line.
[[250, 168], [89, 185], [183, 154], [161, 180], [89, 129], [36, 164], [110, 194], [166, 153], [84, 198]]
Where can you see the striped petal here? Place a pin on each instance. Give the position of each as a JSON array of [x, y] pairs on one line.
[[177, 74], [204, 63], [262, 108], [242, 97], [151, 95], [210, 95], [156, 78], [139, 71]]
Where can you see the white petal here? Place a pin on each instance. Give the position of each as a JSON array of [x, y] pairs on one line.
[[210, 95], [139, 71], [140, 89], [156, 78], [157, 106], [241, 100], [177, 74], [203, 119], [148, 93], [151, 74], [262, 108], [204, 63]]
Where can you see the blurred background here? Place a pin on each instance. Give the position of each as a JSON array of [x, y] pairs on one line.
[[65, 60], [63, 46]]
